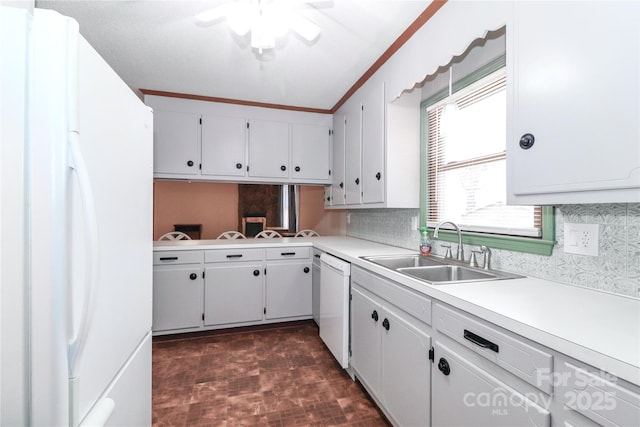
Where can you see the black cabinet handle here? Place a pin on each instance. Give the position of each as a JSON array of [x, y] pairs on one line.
[[287, 253], [190, 163], [234, 256], [527, 140], [238, 165], [256, 272], [193, 276], [374, 315], [378, 176], [385, 324], [479, 341], [283, 168], [317, 255], [169, 258], [328, 199], [297, 168], [306, 269], [357, 181], [342, 185], [444, 367]]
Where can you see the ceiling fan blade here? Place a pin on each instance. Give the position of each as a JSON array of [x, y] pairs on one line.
[[305, 28]]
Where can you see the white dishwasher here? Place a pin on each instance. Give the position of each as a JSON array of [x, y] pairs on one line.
[[335, 281]]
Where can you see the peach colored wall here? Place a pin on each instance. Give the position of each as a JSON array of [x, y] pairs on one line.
[[214, 205], [313, 215]]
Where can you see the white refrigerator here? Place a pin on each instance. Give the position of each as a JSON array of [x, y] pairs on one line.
[[76, 193]]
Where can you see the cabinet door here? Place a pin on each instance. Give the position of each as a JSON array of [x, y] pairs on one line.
[[373, 170], [315, 292], [338, 165], [177, 297], [176, 138], [464, 394], [268, 149], [366, 317], [288, 290], [310, 151], [352, 167], [223, 146], [579, 96], [233, 294], [406, 371]]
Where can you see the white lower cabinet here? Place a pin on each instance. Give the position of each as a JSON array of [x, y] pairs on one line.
[[288, 290], [390, 357], [177, 290], [233, 294], [288, 283], [465, 394]]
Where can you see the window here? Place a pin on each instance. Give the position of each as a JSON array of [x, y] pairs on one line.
[[465, 166]]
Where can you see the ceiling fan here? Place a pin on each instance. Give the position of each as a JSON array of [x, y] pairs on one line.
[[265, 19]]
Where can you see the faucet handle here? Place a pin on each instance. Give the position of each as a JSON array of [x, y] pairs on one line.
[[473, 262], [448, 253], [487, 256]]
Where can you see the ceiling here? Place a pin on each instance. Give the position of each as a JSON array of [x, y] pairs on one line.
[[158, 45]]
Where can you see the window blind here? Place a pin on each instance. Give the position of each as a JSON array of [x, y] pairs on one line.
[[466, 163]]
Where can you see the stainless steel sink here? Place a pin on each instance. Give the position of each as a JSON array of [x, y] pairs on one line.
[[437, 270], [395, 262], [447, 273]]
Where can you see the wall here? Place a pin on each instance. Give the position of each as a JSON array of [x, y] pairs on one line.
[[215, 206], [616, 269]]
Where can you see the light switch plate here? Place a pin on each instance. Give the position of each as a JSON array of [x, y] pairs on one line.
[[581, 239]]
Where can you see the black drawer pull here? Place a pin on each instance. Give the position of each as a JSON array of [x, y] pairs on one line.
[[234, 256], [287, 253], [169, 258], [479, 341], [317, 255]]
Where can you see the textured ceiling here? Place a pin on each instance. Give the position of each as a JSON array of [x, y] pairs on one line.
[[158, 45]]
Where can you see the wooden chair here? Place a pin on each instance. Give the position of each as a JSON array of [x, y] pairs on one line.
[[231, 235], [174, 235], [268, 234], [306, 233]]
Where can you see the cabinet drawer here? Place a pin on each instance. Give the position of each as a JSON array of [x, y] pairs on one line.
[[513, 354], [233, 255], [288, 253], [177, 257], [597, 396], [411, 302]]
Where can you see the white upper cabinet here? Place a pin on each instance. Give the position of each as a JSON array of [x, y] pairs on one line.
[[176, 138], [212, 141], [379, 145], [310, 152], [574, 133], [352, 153], [338, 177], [223, 146], [268, 149], [373, 124]]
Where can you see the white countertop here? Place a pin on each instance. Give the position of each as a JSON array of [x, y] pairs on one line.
[[599, 328]]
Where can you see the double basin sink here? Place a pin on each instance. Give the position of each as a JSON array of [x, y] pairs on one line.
[[436, 270]]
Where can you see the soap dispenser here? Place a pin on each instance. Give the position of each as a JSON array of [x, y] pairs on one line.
[[425, 243]]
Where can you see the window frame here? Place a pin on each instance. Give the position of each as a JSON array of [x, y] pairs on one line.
[[542, 245]]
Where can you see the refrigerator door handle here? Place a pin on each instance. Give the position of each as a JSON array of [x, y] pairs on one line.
[[90, 283]]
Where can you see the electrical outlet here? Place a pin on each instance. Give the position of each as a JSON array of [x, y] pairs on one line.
[[581, 239]]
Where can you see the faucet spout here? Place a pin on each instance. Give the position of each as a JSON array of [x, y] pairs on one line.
[[460, 254]]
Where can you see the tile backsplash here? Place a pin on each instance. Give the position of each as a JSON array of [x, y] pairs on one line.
[[616, 268]]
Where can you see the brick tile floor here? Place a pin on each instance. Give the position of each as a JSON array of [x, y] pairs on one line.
[[279, 376]]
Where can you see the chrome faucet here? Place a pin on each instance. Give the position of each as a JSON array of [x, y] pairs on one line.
[[460, 255], [487, 257]]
